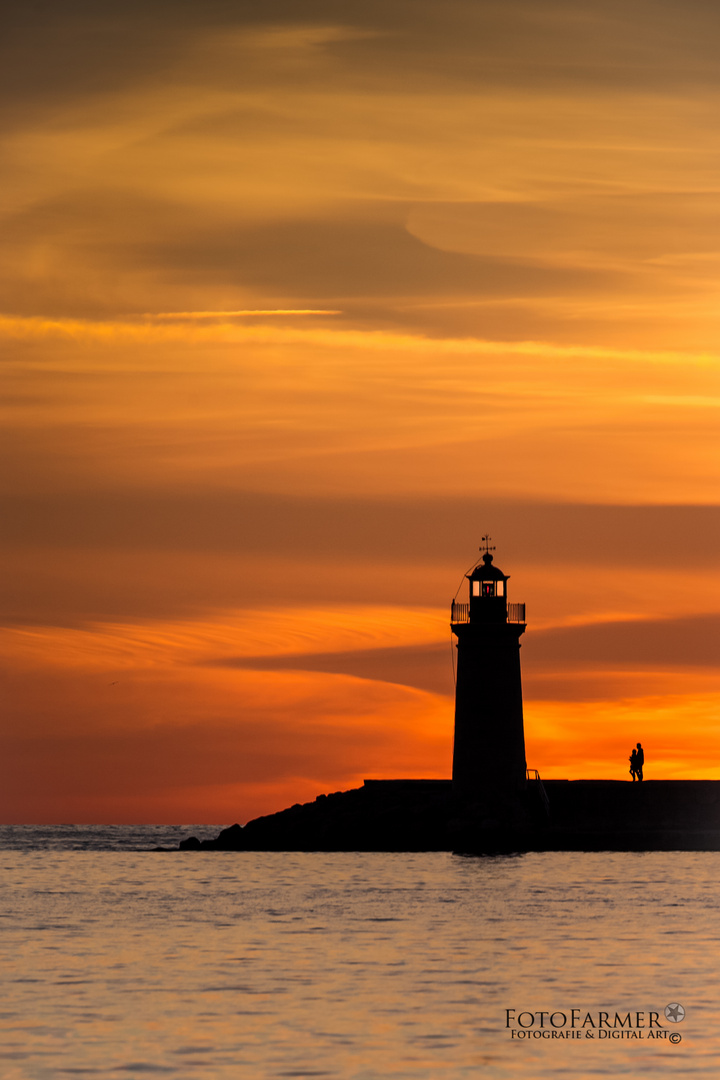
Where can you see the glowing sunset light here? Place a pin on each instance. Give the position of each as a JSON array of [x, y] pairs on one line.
[[298, 303], [264, 632]]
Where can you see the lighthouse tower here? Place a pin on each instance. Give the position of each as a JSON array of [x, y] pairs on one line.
[[489, 753]]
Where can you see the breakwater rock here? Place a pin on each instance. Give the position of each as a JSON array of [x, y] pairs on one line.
[[425, 815]]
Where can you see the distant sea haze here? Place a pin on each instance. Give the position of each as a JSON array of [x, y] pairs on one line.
[[123, 960], [117, 838]]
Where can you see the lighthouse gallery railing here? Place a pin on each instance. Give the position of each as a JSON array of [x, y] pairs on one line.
[[460, 613]]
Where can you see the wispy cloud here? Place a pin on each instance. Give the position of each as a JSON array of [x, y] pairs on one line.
[[236, 314], [361, 339]]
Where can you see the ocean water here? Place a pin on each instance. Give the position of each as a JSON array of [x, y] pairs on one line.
[[120, 961]]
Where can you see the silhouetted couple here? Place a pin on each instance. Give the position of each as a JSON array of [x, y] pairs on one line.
[[637, 760]]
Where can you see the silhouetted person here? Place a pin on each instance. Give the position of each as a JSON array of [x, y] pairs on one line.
[[633, 765], [639, 761]]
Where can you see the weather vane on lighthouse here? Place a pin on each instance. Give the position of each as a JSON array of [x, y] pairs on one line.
[[486, 541]]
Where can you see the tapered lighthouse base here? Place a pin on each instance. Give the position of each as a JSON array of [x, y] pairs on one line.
[[489, 768]]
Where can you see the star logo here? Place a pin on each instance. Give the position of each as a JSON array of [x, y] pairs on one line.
[[674, 1012]]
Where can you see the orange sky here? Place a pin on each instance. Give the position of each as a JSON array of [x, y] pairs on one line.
[[298, 301]]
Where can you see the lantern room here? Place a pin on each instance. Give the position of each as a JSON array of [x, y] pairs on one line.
[[488, 592]]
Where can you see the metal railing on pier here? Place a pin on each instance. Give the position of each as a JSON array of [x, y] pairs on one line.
[[534, 775]]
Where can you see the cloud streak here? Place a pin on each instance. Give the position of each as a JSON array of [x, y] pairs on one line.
[[235, 314], [31, 327]]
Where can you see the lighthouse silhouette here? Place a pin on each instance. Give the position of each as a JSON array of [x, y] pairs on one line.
[[489, 767]]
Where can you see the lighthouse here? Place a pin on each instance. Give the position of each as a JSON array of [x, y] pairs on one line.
[[489, 767]]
